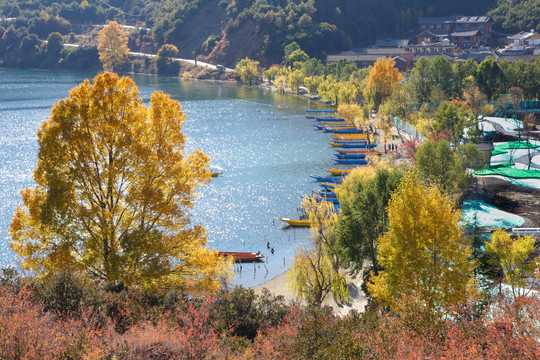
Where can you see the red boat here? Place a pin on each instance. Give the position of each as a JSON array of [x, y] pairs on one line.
[[239, 256]]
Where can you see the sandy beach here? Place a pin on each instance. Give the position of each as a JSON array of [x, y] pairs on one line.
[[358, 301]]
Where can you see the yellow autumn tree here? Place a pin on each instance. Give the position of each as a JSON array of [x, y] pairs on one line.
[[384, 75], [247, 71], [424, 253], [114, 192], [316, 271], [112, 46], [517, 259]]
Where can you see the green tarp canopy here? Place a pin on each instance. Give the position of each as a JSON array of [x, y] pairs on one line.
[[509, 172]]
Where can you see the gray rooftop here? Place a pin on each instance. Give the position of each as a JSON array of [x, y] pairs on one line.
[[472, 19], [464, 33]]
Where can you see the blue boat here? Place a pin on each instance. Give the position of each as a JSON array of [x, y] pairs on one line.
[[322, 111], [328, 186], [329, 119], [352, 141], [361, 146], [328, 179], [351, 161], [323, 126], [326, 194], [330, 200], [344, 131], [350, 156]]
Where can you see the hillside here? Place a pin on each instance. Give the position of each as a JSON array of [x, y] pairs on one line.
[[223, 31]]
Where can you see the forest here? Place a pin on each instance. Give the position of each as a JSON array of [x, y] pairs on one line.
[[224, 31]]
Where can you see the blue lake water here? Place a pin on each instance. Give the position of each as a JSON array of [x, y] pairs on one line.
[[261, 141]]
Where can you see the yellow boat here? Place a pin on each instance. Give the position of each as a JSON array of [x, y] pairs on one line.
[[297, 223], [340, 127], [349, 136], [338, 172]]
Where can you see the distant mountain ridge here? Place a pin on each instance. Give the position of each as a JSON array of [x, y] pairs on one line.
[[223, 31]]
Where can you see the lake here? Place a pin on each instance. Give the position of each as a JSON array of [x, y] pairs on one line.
[[260, 139]]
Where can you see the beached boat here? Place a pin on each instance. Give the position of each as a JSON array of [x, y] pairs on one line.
[[338, 172], [357, 145], [341, 141], [350, 156], [330, 119], [349, 136], [328, 186], [328, 179], [333, 200], [351, 161], [242, 257], [297, 222], [322, 126], [216, 173], [326, 194], [358, 151], [345, 131], [321, 111]]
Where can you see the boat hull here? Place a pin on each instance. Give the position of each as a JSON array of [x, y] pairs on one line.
[[351, 161], [328, 179], [357, 151], [242, 257], [296, 222]]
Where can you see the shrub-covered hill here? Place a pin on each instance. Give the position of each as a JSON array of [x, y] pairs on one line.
[[226, 30]]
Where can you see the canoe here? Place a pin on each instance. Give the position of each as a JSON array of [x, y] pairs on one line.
[[341, 141], [345, 131], [330, 119], [344, 127], [350, 156], [338, 172], [349, 136], [352, 145], [340, 144], [328, 179], [322, 111], [216, 173], [357, 151], [351, 161], [240, 256], [333, 200], [326, 194], [328, 186], [323, 126], [297, 223]]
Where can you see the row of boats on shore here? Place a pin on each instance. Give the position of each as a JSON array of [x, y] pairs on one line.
[[352, 147]]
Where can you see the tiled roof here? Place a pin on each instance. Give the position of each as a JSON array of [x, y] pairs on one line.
[[464, 33], [435, 32], [472, 19]]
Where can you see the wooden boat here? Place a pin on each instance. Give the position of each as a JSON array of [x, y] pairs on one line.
[[349, 136], [329, 119], [216, 173], [326, 194], [357, 151], [333, 200], [347, 141], [332, 128], [297, 222], [321, 111], [242, 257], [350, 156], [328, 179], [323, 126], [357, 145], [338, 172], [351, 161], [328, 186], [346, 131]]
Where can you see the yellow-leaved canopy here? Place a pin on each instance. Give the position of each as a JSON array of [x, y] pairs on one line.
[[112, 46], [424, 253], [114, 192]]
